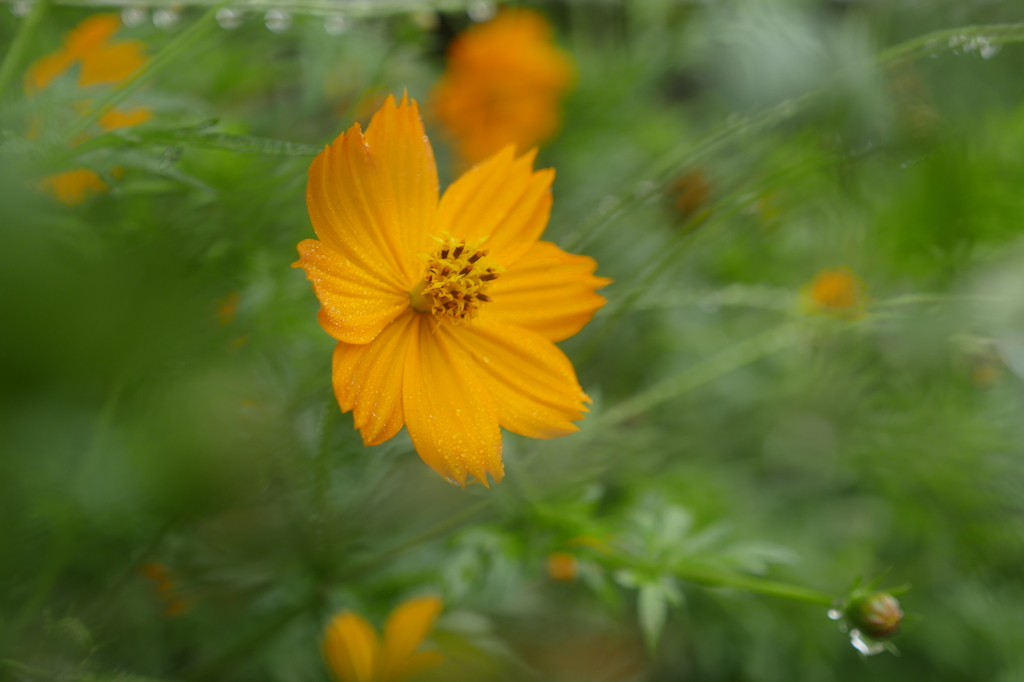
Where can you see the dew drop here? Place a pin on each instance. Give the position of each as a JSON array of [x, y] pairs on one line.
[[228, 18], [835, 614], [866, 646], [481, 10], [133, 16], [21, 8], [165, 18], [988, 51], [277, 20], [335, 24]]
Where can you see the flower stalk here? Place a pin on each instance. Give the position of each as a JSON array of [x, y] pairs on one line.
[[19, 46]]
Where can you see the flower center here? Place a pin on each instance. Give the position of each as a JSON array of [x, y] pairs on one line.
[[456, 281]]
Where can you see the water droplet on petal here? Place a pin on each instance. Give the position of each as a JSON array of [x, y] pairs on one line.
[[835, 614]]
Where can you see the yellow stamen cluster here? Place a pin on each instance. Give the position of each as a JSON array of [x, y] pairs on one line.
[[456, 281]]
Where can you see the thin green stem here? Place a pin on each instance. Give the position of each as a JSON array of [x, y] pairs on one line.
[[718, 365], [181, 43], [703, 575], [202, 139], [968, 38], [19, 46]]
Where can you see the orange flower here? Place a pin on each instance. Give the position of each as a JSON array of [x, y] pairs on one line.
[[446, 312], [88, 45], [73, 187], [562, 566], [100, 61], [356, 654], [503, 85], [835, 292]]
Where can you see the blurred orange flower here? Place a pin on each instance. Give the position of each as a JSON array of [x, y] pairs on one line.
[[100, 62], [356, 654], [446, 311], [73, 187], [503, 85], [835, 292], [89, 46], [167, 588], [562, 566]]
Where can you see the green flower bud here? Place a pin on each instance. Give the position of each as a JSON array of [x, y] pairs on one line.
[[876, 615]]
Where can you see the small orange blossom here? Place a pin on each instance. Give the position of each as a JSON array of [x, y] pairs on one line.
[[562, 566], [836, 292], [446, 311], [503, 85], [356, 654]]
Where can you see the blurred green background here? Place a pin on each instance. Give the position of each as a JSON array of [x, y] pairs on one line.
[[167, 421]]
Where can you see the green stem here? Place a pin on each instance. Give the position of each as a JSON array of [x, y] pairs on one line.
[[718, 365], [950, 39], [183, 42], [249, 144], [714, 578], [19, 46]]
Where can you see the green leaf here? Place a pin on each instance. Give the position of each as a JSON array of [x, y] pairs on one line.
[[652, 609]]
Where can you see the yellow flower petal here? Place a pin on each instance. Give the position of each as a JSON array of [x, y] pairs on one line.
[[451, 416], [352, 648], [407, 626], [111, 63], [355, 303], [352, 203], [73, 187], [502, 201], [397, 138], [47, 69], [548, 291], [114, 119], [368, 379], [415, 664], [90, 34], [531, 380]]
